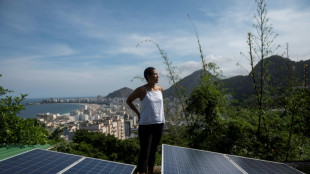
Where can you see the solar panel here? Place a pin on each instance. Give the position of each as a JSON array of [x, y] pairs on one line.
[[179, 160], [91, 165], [50, 162], [260, 166], [37, 161]]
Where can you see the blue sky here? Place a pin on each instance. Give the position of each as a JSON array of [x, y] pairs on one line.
[[85, 48]]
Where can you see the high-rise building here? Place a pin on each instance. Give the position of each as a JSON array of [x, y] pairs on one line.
[[99, 99]]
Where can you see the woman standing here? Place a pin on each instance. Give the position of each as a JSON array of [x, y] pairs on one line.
[[151, 119]]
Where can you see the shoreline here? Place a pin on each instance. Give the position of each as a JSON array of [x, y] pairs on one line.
[[31, 110], [40, 103]]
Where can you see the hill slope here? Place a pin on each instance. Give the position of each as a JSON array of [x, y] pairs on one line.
[[281, 72], [121, 93], [188, 83]]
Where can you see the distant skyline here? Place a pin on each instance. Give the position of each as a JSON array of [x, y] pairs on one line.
[[78, 48]]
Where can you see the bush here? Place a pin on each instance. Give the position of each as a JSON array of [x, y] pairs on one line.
[[15, 131]]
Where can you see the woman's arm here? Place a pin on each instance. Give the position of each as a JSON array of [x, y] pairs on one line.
[[133, 96]]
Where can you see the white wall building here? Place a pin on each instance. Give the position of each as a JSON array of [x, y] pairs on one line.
[[84, 117], [83, 107]]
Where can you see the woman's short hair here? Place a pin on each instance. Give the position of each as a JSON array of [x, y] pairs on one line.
[[148, 71]]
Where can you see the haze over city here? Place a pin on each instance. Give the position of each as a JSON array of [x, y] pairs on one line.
[[86, 48]]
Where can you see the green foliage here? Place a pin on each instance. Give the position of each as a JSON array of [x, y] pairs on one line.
[[297, 105], [216, 126], [297, 110], [13, 129], [102, 146], [207, 130], [234, 132], [175, 135], [261, 45], [54, 136], [205, 101]]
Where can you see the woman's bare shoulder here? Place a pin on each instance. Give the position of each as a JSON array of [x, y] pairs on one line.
[[137, 93], [160, 88], [140, 88], [140, 91]]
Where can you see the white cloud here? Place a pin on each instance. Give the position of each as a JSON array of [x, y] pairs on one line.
[[54, 50], [189, 67], [184, 44], [133, 44], [292, 25]]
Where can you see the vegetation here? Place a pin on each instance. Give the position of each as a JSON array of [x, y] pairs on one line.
[[102, 146], [15, 131], [260, 47]]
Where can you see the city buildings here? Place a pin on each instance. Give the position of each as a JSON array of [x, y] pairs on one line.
[[113, 117], [110, 116]]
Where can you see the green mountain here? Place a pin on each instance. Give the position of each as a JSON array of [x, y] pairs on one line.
[[188, 83], [280, 73], [121, 93]]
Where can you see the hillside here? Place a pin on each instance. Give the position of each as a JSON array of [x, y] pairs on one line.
[[188, 83], [121, 93], [281, 71]]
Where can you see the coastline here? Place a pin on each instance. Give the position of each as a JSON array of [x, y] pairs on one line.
[[31, 110]]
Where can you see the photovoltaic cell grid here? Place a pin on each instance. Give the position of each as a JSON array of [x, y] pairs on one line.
[[259, 166], [37, 161], [90, 165], [48, 162], [179, 160]]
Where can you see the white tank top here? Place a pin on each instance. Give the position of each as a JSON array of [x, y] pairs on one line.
[[152, 108]]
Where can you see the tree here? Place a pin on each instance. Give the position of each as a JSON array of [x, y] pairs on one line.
[[13, 129], [102, 146], [205, 105], [297, 107], [261, 45], [54, 136]]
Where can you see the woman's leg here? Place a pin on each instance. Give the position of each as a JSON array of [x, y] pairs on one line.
[[145, 138], [157, 131]]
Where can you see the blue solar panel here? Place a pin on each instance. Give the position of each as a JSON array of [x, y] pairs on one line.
[[259, 166], [38, 161], [90, 165], [179, 160], [49, 162]]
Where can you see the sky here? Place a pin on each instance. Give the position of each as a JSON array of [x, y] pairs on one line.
[[78, 48]]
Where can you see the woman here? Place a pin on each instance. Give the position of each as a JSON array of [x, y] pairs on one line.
[[151, 119]]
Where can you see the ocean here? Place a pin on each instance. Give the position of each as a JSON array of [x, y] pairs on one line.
[[32, 110]]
